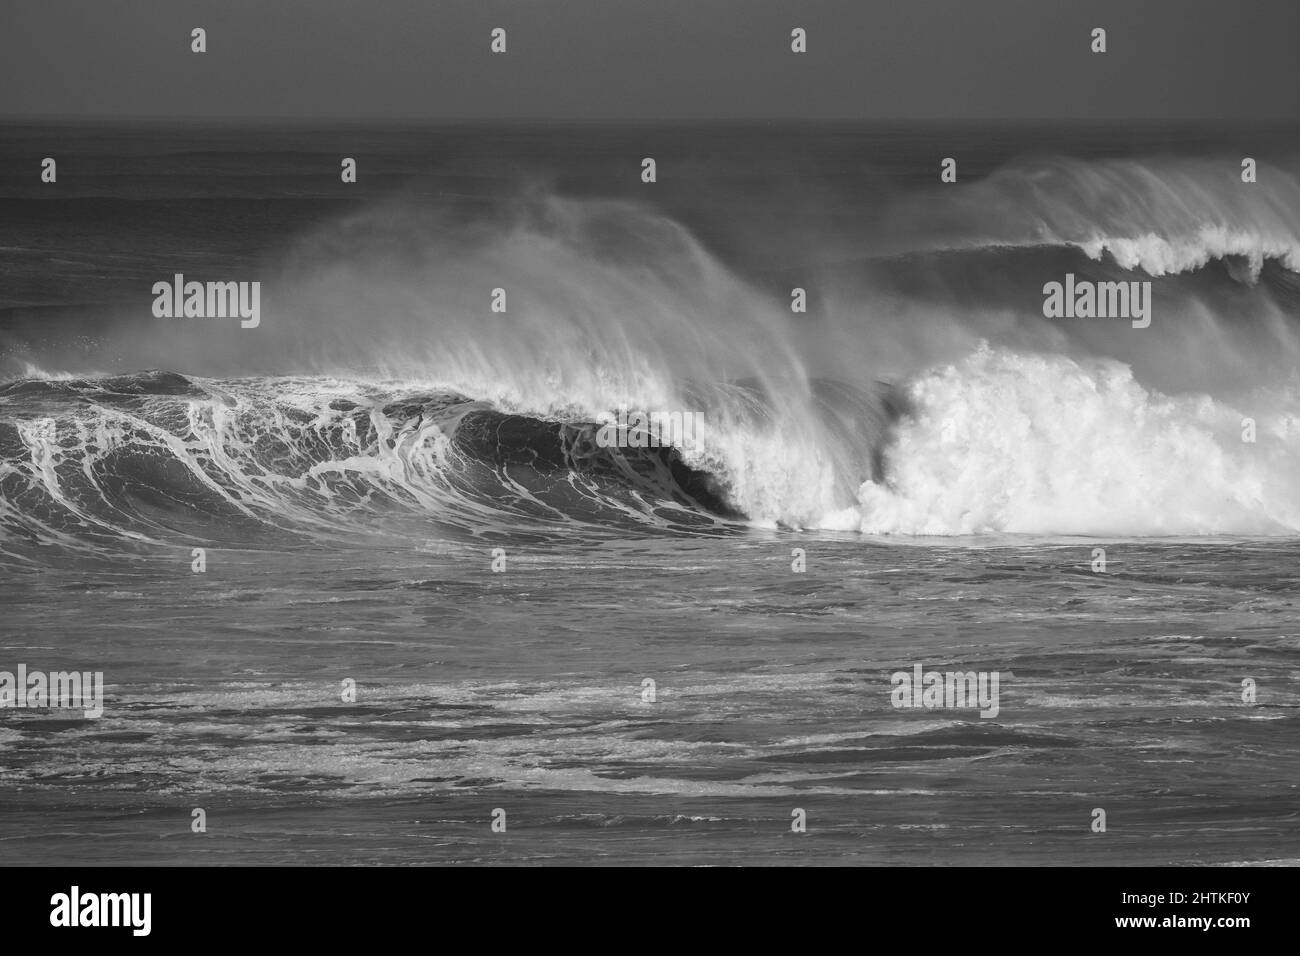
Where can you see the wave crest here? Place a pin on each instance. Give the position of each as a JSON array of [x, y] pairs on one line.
[[1161, 216]]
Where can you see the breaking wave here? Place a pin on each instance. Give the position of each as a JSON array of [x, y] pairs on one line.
[[382, 396]]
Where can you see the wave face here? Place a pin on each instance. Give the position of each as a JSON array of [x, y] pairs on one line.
[[922, 393], [157, 456]]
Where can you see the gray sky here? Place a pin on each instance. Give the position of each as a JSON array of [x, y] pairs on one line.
[[652, 59]]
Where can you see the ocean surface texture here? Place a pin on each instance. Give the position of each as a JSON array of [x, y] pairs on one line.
[[368, 583]]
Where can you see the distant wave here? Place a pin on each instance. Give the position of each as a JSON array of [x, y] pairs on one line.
[[1163, 216]]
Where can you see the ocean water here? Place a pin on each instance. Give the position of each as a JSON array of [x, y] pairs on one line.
[[399, 490]]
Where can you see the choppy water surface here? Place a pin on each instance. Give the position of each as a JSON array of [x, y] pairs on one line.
[[523, 690]]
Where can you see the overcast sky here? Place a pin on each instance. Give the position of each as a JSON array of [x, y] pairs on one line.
[[652, 59]]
